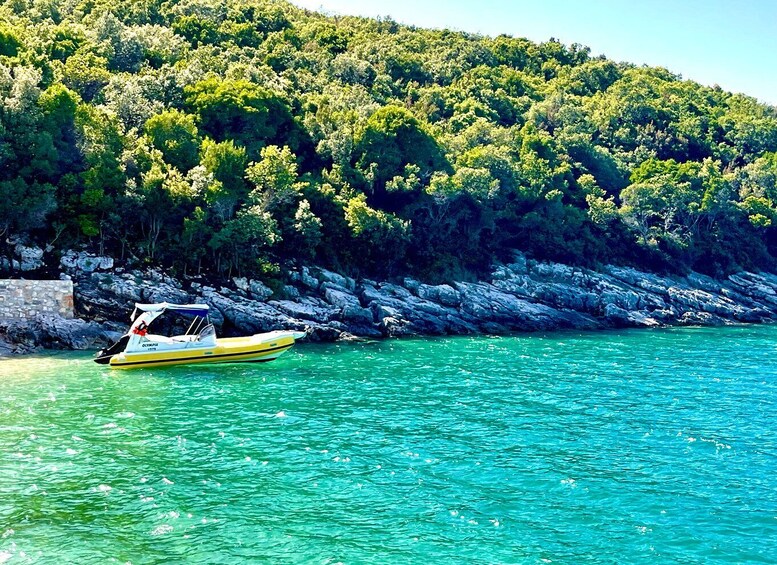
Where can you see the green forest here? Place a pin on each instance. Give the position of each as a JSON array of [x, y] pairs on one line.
[[240, 137]]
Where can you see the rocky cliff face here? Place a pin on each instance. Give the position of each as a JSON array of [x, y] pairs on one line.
[[522, 295], [48, 331]]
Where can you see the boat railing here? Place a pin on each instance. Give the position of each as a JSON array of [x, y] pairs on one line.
[[196, 326]]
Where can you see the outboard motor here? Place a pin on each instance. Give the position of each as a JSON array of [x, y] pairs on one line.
[[103, 357]]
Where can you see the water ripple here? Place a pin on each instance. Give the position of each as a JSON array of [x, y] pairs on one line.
[[611, 447]]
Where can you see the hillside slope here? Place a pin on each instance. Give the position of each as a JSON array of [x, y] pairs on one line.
[[237, 137]]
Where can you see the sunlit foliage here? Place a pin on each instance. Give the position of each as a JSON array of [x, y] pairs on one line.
[[235, 136]]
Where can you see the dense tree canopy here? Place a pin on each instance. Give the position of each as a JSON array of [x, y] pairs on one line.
[[234, 136]]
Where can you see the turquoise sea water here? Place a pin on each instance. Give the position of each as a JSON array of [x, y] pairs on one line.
[[628, 447]]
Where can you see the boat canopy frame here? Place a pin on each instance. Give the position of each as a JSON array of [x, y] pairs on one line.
[[144, 314], [191, 309]]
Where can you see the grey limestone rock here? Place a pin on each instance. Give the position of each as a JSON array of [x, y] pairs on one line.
[[357, 315], [340, 298], [411, 284], [241, 283], [29, 258], [258, 290], [247, 316], [291, 292], [522, 295], [54, 332], [85, 262], [306, 308], [308, 280], [443, 294], [73, 333], [337, 280]]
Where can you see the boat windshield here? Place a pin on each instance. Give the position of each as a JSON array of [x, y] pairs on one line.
[[207, 332], [167, 325], [199, 325]]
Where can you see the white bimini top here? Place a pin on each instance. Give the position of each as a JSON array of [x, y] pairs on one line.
[[193, 309]]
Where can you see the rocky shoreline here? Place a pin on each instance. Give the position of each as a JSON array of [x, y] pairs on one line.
[[520, 296]]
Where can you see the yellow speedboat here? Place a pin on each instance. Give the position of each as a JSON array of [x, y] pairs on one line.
[[139, 348]]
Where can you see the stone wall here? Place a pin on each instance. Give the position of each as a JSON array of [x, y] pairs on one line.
[[25, 299]]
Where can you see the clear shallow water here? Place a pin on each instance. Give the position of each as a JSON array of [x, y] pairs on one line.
[[639, 447]]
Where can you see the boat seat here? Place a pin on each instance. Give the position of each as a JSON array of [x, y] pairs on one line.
[[159, 338], [185, 338]]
